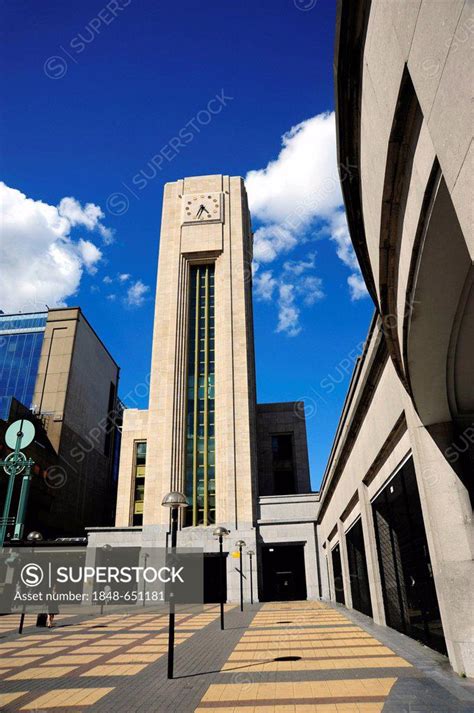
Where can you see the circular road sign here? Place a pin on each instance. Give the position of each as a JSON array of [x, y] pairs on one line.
[[23, 427]]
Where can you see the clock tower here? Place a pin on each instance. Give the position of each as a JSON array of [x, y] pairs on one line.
[[201, 417]]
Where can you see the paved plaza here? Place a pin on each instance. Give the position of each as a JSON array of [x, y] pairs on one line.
[[288, 657]]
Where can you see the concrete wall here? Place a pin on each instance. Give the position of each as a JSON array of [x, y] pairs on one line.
[[282, 418], [432, 39], [406, 125], [375, 437], [134, 428], [292, 518], [72, 392]]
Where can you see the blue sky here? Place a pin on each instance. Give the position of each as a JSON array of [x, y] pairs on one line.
[[91, 97]]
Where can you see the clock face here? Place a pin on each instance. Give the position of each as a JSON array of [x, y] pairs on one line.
[[202, 208]]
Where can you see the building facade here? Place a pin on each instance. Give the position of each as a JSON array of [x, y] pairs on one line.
[[54, 366], [395, 520], [199, 434], [21, 341]]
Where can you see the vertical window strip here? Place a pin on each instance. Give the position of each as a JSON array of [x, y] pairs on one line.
[[197, 308], [206, 391], [200, 481]]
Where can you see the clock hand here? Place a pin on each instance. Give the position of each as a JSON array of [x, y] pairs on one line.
[[201, 210]]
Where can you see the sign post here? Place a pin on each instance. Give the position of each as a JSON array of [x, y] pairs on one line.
[[19, 434]]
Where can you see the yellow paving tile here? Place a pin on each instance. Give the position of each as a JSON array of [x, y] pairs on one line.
[[17, 661], [321, 642], [6, 698], [67, 697], [148, 648], [67, 659], [97, 649], [136, 658], [46, 649], [43, 672], [115, 670]]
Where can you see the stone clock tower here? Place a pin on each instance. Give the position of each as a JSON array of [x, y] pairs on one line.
[[201, 417]]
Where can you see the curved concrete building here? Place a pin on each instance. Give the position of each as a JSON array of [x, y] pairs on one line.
[[396, 502]]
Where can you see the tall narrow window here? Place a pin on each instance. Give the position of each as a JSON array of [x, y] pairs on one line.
[[139, 493], [200, 442], [283, 464]]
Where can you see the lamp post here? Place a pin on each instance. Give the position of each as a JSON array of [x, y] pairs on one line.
[[240, 544], [105, 549], [221, 532], [145, 557], [34, 537], [251, 554], [18, 435], [175, 501]]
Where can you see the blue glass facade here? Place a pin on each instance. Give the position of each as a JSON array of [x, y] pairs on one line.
[[21, 339]]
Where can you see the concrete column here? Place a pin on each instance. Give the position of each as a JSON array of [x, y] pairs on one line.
[[311, 566], [324, 568], [346, 578], [370, 545], [332, 586], [448, 522]]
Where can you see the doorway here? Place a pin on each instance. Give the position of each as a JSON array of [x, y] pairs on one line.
[[411, 604], [283, 573], [358, 569]]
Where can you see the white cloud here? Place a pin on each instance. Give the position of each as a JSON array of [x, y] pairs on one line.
[[40, 262], [136, 294], [124, 276], [289, 197], [88, 216], [271, 240], [303, 181], [264, 285], [108, 280], [308, 289], [288, 312], [90, 255], [339, 234], [297, 267], [311, 289], [112, 298], [357, 287]]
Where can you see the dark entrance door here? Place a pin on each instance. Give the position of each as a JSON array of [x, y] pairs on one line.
[[337, 570], [411, 604], [283, 573], [358, 569], [212, 573]]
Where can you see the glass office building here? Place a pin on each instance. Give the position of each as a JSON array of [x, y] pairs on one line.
[[21, 339]]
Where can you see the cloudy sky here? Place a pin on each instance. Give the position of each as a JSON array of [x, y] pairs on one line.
[[92, 102]]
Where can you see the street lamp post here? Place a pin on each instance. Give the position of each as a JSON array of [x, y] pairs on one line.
[[251, 554], [145, 557], [221, 532], [19, 435], [240, 544], [105, 549], [175, 501]]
